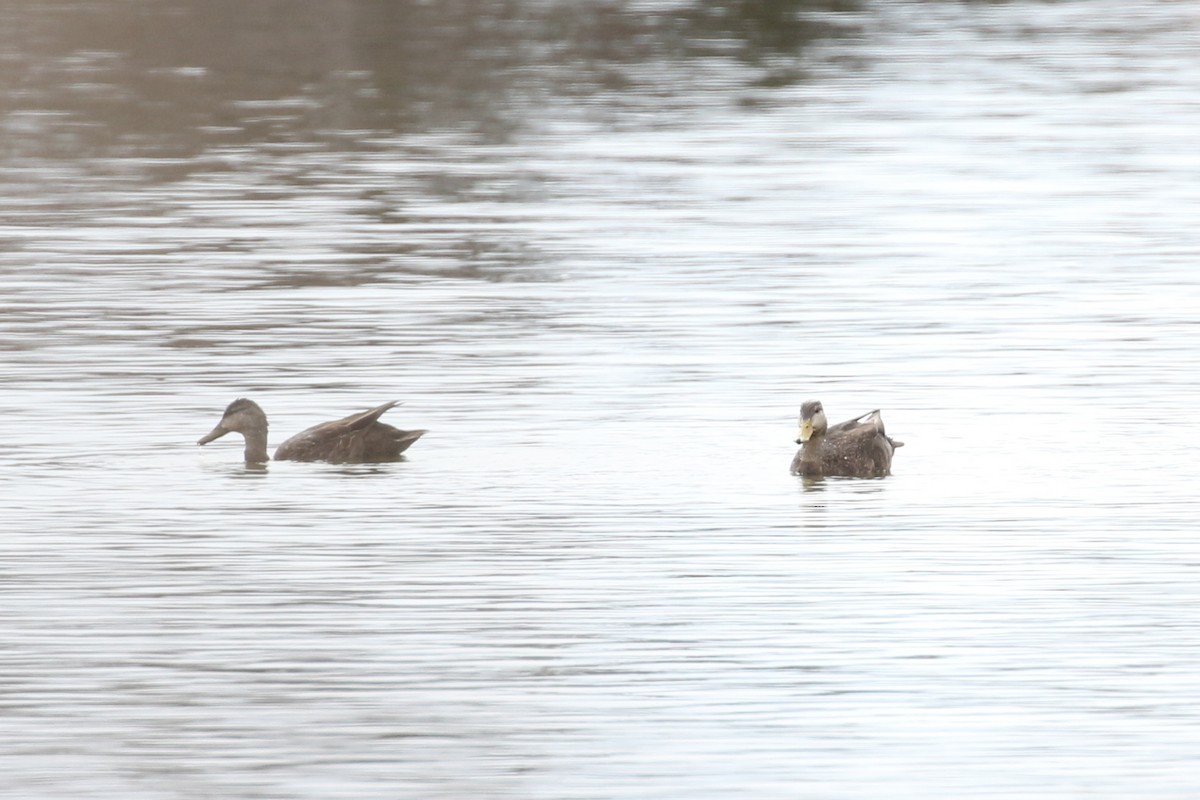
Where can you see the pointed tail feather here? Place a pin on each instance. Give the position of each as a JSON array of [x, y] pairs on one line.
[[372, 415]]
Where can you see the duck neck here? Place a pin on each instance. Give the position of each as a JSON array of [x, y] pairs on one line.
[[256, 447], [810, 455]]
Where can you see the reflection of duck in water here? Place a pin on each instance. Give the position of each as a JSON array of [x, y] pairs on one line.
[[358, 439], [857, 448]]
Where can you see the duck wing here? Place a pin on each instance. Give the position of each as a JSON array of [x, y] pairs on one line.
[[859, 447], [358, 438], [872, 420], [362, 420]]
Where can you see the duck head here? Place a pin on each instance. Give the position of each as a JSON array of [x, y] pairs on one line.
[[245, 417], [812, 421], [241, 416]]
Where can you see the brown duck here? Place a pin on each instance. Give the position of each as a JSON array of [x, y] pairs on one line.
[[358, 439], [857, 448]]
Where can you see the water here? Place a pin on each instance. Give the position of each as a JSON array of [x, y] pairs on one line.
[[602, 253]]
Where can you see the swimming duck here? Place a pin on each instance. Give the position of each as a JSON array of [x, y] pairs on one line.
[[358, 439], [857, 448]]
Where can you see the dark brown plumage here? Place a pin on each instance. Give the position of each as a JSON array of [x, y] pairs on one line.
[[357, 439], [857, 448]]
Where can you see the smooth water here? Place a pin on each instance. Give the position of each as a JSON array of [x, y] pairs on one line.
[[602, 251]]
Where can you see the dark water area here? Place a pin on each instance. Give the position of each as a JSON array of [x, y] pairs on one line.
[[602, 251]]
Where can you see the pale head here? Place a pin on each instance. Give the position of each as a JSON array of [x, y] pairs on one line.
[[245, 417], [812, 421]]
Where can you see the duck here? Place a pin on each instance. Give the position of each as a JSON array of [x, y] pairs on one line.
[[357, 439], [856, 448]]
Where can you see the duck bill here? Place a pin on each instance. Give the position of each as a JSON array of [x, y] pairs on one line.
[[215, 433], [806, 430]]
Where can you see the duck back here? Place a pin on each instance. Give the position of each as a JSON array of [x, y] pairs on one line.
[[357, 439]]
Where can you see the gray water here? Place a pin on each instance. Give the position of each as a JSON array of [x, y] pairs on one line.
[[602, 251]]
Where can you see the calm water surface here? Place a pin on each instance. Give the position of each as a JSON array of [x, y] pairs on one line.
[[602, 251]]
